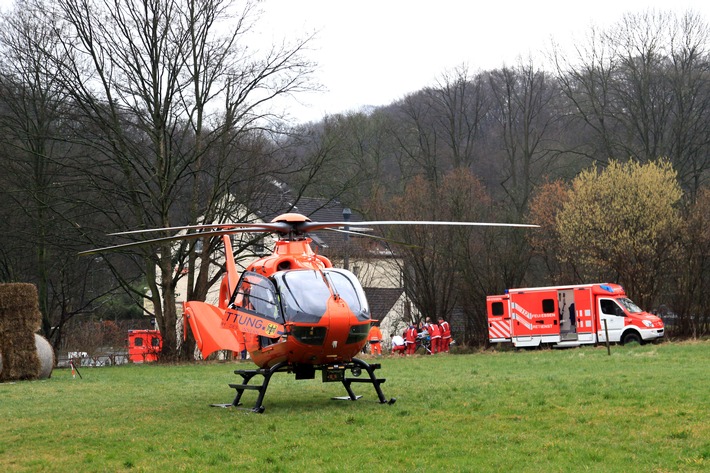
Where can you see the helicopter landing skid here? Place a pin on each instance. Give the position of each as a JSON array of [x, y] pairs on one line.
[[356, 366], [330, 372], [247, 375], [345, 398]]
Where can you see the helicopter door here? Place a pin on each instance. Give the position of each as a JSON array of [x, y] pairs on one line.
[[254, 307]]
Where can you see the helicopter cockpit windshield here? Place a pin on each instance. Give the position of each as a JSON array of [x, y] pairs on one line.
[[305, 293]]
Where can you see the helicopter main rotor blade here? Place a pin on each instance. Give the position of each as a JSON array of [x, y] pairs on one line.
[[187, 236], [374, 237], [277, 227], [283, 227], [313, 226], [303, 227]]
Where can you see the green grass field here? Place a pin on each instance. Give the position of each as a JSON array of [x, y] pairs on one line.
[[644, 408]]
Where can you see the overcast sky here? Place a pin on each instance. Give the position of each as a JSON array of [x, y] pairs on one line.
[[373, 52]]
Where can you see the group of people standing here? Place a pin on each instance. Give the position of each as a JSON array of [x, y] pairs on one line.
[[437, 334]]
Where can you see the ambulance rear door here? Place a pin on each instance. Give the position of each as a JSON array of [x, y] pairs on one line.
[[498, 318]]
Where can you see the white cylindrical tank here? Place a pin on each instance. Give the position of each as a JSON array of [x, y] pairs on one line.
[[45, 353]]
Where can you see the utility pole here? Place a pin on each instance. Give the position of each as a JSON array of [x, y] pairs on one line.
[[346, 218]]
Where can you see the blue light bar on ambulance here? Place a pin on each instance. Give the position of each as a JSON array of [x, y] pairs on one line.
[[610, 289]]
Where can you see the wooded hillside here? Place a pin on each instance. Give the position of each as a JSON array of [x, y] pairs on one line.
[[129, 115]]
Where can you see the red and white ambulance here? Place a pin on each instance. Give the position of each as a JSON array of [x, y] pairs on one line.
[[569, 316], [144, 346]]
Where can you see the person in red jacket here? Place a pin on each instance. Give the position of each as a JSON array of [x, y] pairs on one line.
[[375, 339], [445, 334], [435, 334], [410, 339]]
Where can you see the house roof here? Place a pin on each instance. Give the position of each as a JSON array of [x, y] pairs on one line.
[[381, 300], [281, 200]]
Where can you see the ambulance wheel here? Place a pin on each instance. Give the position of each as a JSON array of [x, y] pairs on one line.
[[631, 337]]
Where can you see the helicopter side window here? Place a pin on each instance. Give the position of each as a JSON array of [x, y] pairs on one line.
[[256, 293]]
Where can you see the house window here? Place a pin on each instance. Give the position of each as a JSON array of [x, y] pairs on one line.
[[258, 247]]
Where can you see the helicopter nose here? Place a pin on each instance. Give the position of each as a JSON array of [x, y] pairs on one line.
[[344, 327]]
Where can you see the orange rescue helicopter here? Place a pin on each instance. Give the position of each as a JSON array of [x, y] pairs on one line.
[[291, 310]]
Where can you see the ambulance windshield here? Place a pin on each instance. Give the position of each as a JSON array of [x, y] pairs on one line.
[[629, 305]]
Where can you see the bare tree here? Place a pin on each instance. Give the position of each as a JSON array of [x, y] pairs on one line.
[[173, 108], [439, 266], [587, 84], [418, 145], [689, 80], [642, 89], [689, 278], [460, 105], [343, 158], [439, 128], [38, 188], [526, 113]]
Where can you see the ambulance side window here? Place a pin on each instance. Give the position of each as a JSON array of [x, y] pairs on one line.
[[610, 307], [548, 306], [496, 308]]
